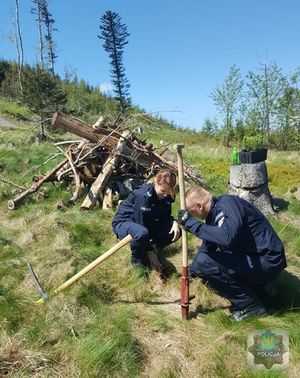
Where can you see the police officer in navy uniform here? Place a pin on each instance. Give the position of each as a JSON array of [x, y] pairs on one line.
[[241, 253], [146, 216]]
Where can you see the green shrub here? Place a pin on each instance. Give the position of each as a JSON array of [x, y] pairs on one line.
[[253, 142]]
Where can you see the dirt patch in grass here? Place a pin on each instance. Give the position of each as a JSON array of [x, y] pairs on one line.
[[6, 124], [14, 359]]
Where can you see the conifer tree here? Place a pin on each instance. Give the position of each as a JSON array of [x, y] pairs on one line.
[[114, 34], [43, 94]]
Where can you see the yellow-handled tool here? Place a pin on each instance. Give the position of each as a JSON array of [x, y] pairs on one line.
[[83, 272]]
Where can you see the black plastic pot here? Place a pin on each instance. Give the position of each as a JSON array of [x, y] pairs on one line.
[[251, 157]]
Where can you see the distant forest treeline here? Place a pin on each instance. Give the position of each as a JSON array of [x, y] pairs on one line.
[[70, 94], [267, 104]]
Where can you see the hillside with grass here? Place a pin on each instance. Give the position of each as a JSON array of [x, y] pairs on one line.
[[115, 322]]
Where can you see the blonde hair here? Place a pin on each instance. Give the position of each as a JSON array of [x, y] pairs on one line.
[[197, 194], [166, 177]]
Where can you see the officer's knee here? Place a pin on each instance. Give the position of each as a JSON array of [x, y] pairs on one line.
[[203, 266], [141, 233]]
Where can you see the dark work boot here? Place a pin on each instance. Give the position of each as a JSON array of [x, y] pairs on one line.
[[253, 309], [137, 263], [139, 260]]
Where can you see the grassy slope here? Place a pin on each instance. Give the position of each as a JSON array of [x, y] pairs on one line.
[[115, 323]]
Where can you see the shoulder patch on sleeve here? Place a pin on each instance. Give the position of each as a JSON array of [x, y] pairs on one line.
[[149, 194], [220, 218]]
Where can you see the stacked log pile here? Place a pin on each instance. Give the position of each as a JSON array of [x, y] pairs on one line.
[[107, 163]]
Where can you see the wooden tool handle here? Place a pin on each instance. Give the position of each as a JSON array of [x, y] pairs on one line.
[[184, 273], [95, 263], [182, 202], [91, 266]]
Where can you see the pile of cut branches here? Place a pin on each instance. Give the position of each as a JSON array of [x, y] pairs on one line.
[[107, 163]]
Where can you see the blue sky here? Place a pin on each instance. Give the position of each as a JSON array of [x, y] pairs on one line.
[[178, 51]]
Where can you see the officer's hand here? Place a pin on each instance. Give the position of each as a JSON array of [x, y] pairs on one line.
[[183, 216], [175, 229]]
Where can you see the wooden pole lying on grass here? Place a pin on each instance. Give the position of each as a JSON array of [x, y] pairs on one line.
[[89, 267], [35, 187], [184, 274]]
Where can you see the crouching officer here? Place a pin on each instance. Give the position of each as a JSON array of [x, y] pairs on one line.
[[146, 216], [241, 253]]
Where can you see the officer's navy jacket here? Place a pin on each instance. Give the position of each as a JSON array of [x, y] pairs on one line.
[[233, 224], [142, 206]]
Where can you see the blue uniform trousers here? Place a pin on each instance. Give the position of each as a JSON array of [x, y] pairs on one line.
[[235, 276], [156, 232]]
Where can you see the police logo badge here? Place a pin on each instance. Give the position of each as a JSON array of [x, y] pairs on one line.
[[268, 350]]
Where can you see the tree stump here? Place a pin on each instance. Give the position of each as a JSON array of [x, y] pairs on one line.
[[250, 181]]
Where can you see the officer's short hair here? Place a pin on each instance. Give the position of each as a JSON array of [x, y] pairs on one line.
[[197, 194]]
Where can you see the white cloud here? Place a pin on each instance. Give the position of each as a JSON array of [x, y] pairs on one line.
[[105, 88]]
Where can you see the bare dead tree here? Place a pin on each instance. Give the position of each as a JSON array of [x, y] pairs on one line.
[[48, 21], [45, 23], [37, 11], [19, 43]]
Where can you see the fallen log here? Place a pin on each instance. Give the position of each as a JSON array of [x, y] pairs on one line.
[[36, 186], [74, 126]]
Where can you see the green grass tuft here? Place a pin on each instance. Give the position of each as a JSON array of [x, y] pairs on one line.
[[108, 347], [93, 296], [294, 207], [159, 322], [13, 109]]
